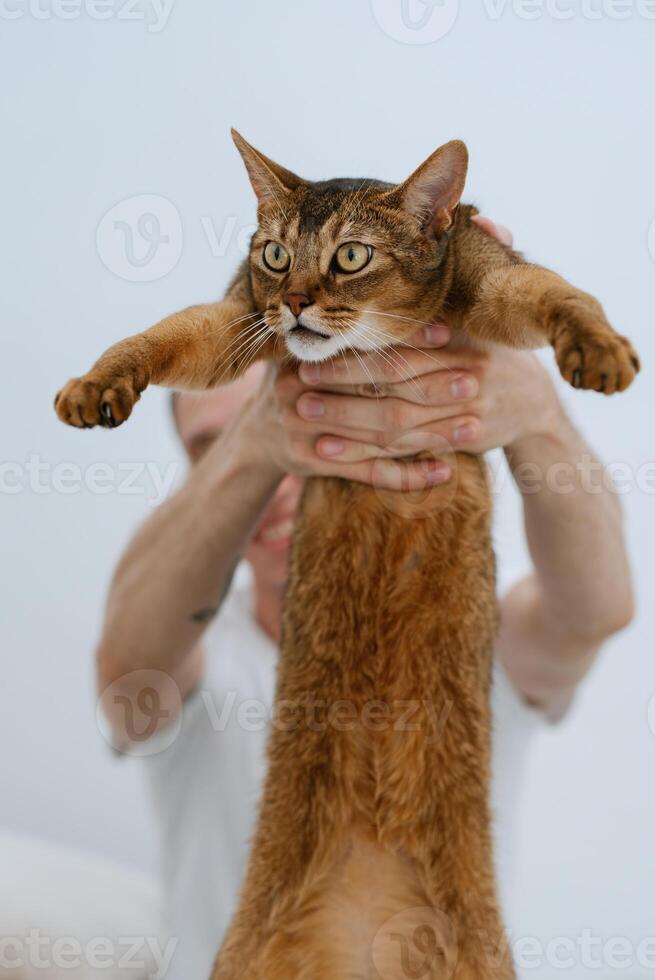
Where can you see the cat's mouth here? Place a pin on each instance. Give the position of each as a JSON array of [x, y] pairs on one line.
[[308, 334], [310, 343]]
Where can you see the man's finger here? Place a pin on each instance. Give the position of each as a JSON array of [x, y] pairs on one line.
[[397, 474], [389, 405], [354, 451], [378, 415], [500, 232], [456, 432], [388, 473], [431, 336]]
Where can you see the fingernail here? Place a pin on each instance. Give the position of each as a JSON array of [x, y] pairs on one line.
[[311, 407], [331, 446], [466, 432], [437, 333], [435, 471], [439, 476], [464, 387], [310, 373]]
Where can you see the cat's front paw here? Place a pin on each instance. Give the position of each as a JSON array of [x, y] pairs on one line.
[[591, 355], [92, 400]]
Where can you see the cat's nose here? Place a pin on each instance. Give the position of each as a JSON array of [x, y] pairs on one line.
[[296, 302]]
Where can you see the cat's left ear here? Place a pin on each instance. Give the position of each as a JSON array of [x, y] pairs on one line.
[[433, 191], [270, 182]]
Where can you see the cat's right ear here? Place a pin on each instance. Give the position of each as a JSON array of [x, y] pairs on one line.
[[270, 182]]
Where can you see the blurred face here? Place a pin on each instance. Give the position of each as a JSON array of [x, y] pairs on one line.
[[201, 419]]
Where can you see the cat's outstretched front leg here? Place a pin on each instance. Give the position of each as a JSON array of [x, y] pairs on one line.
[[511, 302], [525, 301], [201, 347]]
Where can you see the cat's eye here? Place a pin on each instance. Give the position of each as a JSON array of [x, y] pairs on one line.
[[276, 257], [352, 256]]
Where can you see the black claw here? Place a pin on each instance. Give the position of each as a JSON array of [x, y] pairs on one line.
[[576, 380], [635, 363], [603, 382], [106, 412]]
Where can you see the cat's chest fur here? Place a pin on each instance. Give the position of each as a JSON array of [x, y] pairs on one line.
[[385, 588]]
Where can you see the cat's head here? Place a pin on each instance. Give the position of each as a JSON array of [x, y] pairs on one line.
[[348, 263]]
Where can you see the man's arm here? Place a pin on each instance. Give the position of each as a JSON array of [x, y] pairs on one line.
[[172, 578], [555, 621]]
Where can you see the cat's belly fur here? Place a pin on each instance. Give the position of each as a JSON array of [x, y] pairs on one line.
[[372, 856], [364, 920]]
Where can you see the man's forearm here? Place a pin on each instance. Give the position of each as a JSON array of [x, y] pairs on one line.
[[554, 622], [173, 576], [574, 529]]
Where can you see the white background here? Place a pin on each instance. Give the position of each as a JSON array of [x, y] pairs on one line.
[[557, 113]]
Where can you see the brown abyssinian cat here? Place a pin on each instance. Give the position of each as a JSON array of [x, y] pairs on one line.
[[372, 856]]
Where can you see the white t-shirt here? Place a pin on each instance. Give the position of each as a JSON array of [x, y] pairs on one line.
[[206, 784]]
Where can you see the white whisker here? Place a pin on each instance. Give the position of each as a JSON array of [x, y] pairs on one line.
[[398, 316], [244, 349], [368, 374], [393, 342], [232, 323], [388, 354], [345, 361], [255, 350], [243, 337]]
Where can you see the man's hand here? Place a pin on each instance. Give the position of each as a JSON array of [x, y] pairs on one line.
[[466, 400]]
